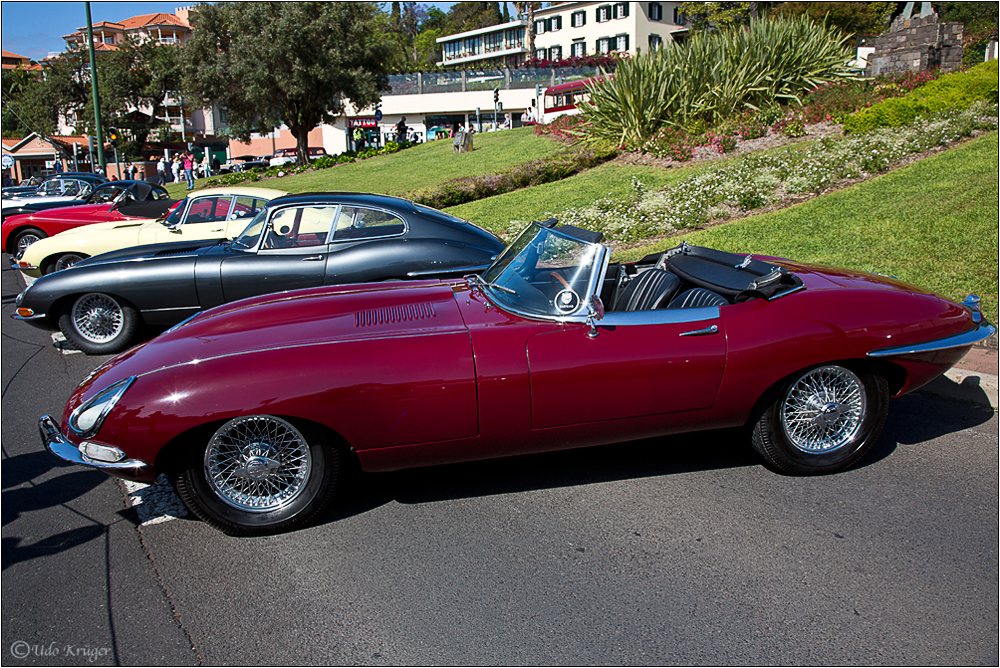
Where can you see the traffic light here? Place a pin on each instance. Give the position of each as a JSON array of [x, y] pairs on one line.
[[113, 136], [496, 96]]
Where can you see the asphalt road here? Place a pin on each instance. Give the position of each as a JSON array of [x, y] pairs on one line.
[[669, 551]]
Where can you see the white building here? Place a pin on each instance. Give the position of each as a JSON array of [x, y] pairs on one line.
[[568, 30]]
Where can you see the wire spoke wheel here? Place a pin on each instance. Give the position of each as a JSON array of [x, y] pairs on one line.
[[824, 409], [98, 317], [258, 464], [66, 261], [25, 240]]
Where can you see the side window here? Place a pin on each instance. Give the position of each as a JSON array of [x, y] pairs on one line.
[[72, 187], [247, 207], [208, 210], [362, 223], [300, 227], [53, 187]]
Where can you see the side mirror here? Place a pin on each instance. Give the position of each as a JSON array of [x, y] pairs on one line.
[[595, 312]]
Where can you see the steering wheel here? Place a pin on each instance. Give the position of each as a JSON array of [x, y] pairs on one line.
[[566, 301]]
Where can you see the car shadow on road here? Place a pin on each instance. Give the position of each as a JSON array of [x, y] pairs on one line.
[[912, 419]]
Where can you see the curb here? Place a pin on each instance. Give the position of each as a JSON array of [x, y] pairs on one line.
[[978, 388]]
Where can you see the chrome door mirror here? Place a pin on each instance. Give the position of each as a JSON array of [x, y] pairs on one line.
[[595, 312]]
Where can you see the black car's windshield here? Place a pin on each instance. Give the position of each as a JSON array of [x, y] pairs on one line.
[[544, 272], [248, 238], [105, 193]]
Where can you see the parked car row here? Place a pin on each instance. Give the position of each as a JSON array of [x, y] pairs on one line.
[[64, 187], [347, 326]]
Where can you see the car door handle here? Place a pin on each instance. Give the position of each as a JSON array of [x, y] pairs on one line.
[[714, 329], [312, 258]]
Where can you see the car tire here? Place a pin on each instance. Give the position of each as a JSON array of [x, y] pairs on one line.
[[823, 420], [99, 324], [64, 261], [24, 239], [258, 475]]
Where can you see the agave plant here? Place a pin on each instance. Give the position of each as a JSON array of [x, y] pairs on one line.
[[715, 75]]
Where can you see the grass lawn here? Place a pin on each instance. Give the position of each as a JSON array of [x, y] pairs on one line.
[[933, 223], [544, 201], [422, 166]]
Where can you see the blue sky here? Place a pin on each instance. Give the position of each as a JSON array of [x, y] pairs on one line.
[[34, 29]]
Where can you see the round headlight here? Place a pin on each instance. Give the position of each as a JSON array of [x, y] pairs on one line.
[[87, 419]]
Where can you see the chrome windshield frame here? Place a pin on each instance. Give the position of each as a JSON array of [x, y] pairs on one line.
[[599, 268]]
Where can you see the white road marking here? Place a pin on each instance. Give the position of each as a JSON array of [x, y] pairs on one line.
[[60, 343], [154, 503]]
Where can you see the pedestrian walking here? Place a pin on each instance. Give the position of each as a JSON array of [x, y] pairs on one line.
[[206, 165], [161, 169], [176, 168]]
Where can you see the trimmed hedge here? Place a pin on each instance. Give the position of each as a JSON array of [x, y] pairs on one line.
[[951, 91], [536, 172]]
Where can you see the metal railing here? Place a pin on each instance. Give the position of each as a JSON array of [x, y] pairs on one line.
[[424, 83]]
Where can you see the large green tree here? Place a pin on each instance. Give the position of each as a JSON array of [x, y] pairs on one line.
[[269, 63], [851, 18]]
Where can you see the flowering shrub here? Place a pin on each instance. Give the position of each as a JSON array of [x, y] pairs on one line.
[[565, 128], [759, 179]]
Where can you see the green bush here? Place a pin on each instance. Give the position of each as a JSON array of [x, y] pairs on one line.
[[713, 76], [951, 91]]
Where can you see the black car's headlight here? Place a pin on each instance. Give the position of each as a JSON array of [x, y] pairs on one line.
[[87, 419]]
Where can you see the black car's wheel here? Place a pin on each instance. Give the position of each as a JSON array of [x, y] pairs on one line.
[[99, 324], [823, 420], [64, 261], [259, 474], [25, 238]]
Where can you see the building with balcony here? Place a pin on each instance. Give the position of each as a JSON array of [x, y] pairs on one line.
[[181, 122], [567, 30], [159, 27]]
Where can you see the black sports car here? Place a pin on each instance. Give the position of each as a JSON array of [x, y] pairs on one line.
[[298, 241]]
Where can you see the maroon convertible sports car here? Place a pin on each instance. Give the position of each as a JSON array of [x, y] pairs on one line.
[[253, 407]]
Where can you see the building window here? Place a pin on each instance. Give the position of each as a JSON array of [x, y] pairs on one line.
[[603, 13], [621, 10], [540, 27], [578, 19], [604, 45], [555, 53], [493, 41], [540, 54], [555, 23], [621, 43], [655, 11], [679, 17], [579, 49], [655, 42]]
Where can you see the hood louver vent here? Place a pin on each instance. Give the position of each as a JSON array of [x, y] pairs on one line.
[[394, 314], [176, 251]]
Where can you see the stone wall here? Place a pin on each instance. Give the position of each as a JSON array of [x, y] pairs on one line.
[[917, 44]]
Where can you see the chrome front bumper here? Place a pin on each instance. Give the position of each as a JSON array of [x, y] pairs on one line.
[[57, 444]]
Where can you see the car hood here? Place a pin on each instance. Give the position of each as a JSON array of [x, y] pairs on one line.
[[151, 252], [113, 225], [308, 317], [63, 211]]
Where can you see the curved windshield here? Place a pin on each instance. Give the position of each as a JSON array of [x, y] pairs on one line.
[[544, 272], [104, 193], [173, 216], [248, 238]]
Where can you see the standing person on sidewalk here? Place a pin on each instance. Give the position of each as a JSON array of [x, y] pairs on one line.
[[188, 165]]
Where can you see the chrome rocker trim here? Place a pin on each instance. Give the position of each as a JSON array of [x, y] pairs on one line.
[[983, 331], [66, 451]]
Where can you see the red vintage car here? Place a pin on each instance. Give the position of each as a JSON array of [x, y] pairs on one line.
[[253, 408], [110, 202]]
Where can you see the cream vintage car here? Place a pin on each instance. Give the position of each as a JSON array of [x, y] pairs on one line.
[[213, 213]]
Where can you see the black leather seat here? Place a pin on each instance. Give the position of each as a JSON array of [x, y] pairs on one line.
[[652, 289], [698, 298]]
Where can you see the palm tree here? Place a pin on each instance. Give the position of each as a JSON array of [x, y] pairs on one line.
[[529, 8]]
